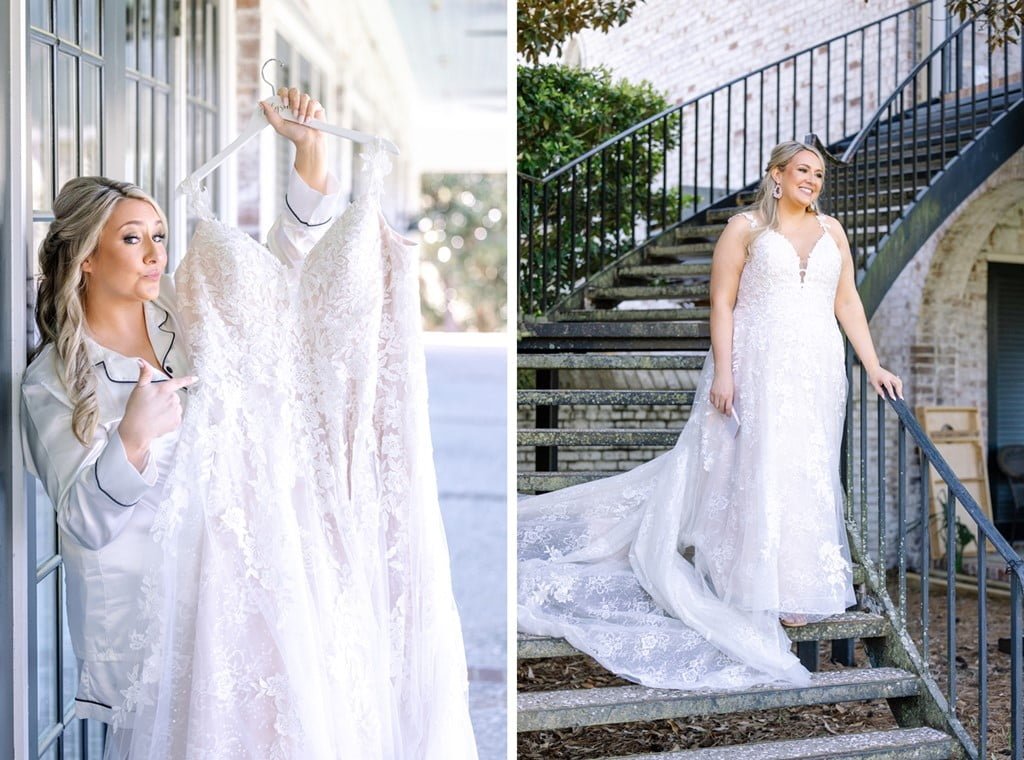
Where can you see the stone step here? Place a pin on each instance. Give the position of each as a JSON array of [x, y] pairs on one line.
[[634, 315], [681, 249], [612, 437], [532, 482], [691, 231], [666, 271], [649, 292], [693, 360], [848, 625], [603, 397], [894, 744], [543, 710], [680, 329]]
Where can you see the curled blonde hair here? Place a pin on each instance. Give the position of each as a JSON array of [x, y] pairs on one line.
[[81, 210], [765, 204]]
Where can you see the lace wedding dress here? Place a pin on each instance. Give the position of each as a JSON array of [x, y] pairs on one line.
[[674, 574], [303, 607]]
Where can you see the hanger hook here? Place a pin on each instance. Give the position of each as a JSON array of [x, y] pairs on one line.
[[263, 75]]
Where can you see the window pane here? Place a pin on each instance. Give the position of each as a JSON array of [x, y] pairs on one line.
[[131, 138], [39, 14], [90, 116], [94, 731], [46, 525], [145, 121], [160, 170], [69, 676], [67, 20], [91, 25], [145, 36], [39, 85], [51, 753], [46, 651], [67, 108], [161, 41], [73, 741], [131, 53]]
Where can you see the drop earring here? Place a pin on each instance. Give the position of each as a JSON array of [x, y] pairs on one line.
[[777, 191]]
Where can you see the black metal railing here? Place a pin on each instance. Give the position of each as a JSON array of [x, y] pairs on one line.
[[948, 98], [613, 199], [874, 480]]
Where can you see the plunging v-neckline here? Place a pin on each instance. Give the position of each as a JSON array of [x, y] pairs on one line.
[[804, 261]]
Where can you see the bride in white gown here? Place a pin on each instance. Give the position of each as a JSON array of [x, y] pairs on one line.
[[677, 573]]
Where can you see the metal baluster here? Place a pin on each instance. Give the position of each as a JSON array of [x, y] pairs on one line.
[[880, 401], [557, 263], [531, 261], [696, 162], [795, 61], [926, 555], [982, 646], [618, 198], [957, 63], [1016, 665], [650, 177], [810, 84], [974, 82], [728, 135], [846, 79], [951, 596], [760, 126], [863, 65], [603, 194], [896, 68], [711, 152], [632, 193], [679, 148], [573, 254], [746, 128], [828, 94], [664, 172], [864, 463], [545, 246], [587, 245], [778, 103], [901, 520]]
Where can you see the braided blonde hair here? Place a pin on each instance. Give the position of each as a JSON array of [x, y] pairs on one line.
[[765, 204], [81, 210]]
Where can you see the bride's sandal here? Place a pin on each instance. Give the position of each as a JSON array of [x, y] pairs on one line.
[[793, 621]]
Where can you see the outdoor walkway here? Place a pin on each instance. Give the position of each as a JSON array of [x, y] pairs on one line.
[[466, 379]]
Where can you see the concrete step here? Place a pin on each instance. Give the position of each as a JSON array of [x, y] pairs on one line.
[[634, 315], [689, 232], [603, 397], [542, 710], [666, 271], [895, 744], [693, 360], [649, 292], [611, 437], [680, 249], [848, 625], [680, 329], [532, 482]]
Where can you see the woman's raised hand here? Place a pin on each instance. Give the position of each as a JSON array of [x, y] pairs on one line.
[[153, 410], [310, 153], [303, 106]]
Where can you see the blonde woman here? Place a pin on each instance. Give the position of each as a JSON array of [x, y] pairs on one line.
[[103, 397], [678, 573]]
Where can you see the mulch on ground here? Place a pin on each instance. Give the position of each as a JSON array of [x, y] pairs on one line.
[[795, 722]]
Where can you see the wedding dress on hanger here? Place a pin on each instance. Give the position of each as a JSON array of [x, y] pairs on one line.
[[675, 574], [303, 606]]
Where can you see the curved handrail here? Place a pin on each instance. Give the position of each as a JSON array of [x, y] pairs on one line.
[[957, 489], [911, 78], [721, 88]]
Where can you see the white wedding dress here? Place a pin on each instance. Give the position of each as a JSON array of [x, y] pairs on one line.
[[303, 607], [674, 574]]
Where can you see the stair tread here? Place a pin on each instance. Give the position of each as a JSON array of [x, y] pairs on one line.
[[650, 292], [634, 315], [596, 436], [618, 396], [692, 360], [921, 743], [863, 623], [682, 328], [619, 704]]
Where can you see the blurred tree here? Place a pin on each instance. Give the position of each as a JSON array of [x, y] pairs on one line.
[[463, 263], [545, 25]]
